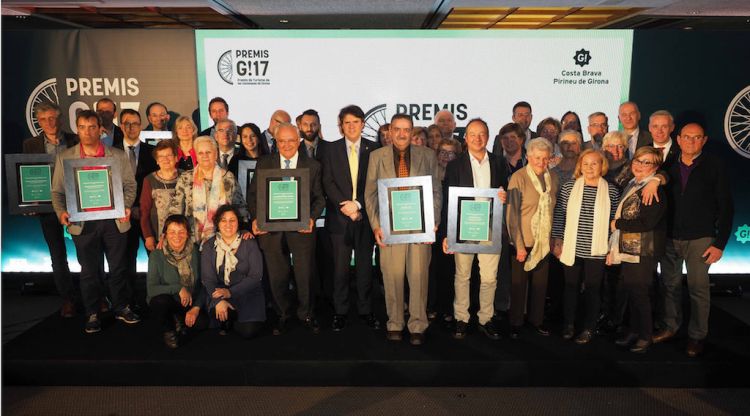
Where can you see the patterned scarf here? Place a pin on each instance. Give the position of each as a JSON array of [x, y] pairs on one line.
[[207, 201], [602, 208], [225, 254], [541, 221], [181, 260]]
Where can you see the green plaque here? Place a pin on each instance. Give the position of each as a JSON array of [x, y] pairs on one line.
[[406, 210], [36, 183], [282, 200], [475, 221], [93, 188]]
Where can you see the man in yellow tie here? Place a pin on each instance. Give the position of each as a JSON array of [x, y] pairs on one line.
[[344, 173]]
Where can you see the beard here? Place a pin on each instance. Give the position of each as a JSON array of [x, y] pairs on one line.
[[311, 136]]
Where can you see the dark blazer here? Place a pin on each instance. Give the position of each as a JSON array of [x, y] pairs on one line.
[[337, 182], [245, 282], [36, 144], [206, 132], [317, 199], [644, 139], [146, 164], [263, 142], [319, 151], [705, 207], [459, 173], [119, 137]]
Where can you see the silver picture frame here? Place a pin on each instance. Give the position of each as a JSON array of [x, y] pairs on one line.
[[16, 203], [423, 184], [73, 205], [494, 245]]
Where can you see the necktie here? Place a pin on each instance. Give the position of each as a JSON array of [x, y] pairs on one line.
[[273, 146], [403, 170], [224, 158], [661, 150], [131, 156], [353, 170], [286, 163]]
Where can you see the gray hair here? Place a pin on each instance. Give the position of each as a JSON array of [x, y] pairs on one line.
[[597, 114], [288, 126], [574, 133], [663, 113], [46, 106], [232, 123], [206, 139], [539, 143], [615, 136]]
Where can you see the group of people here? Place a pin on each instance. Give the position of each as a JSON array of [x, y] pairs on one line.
[[592, 218]]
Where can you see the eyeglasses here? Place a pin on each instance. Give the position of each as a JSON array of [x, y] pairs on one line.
[[642, 162], [692, 138], [614, 146], [133, 124], [446, 153], [598, 125]]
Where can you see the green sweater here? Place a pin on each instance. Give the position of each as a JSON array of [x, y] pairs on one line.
[[163, 278]]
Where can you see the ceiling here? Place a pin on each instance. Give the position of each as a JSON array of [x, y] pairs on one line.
[[377, 14]]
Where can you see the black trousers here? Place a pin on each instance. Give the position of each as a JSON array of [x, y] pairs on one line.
[[54, 235], [97, 237], [302, 248], [637, 279], [358, 237], [246, 330], [589, 272], [165, 307], [137, 283], [440, 284], [518, 293]]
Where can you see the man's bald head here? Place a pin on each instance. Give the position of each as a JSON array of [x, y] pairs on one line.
[[278, 117], [446, 123]]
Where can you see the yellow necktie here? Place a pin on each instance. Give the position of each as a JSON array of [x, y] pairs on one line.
[[353, 170]]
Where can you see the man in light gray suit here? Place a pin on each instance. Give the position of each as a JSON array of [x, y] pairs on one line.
[[402, 160], [91, 238]]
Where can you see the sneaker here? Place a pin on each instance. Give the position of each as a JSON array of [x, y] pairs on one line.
[[460, 332], [569, 332], [93, 325], [584, 337], [489, 329], [128, 316]]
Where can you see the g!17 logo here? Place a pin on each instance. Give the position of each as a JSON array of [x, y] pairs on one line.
[[582, 57]]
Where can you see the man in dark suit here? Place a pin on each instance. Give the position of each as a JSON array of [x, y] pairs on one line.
[[301, 243], [111, 134], [522, 115], [344, 175], [410, 260], [229, 150], [630, 117], [309, 127], [142, 163], [661, 126], [476, 168], [267, 142], [218, 110], [52, 141]]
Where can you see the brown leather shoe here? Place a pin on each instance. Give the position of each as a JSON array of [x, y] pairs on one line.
[[68, 309], [416, 338], [663, 335], [393, 336], [694, 348]]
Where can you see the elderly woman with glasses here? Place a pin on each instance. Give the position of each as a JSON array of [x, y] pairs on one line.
[[638, 241], [201, 191]]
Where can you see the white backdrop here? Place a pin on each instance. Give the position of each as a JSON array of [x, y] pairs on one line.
[[475, 73]]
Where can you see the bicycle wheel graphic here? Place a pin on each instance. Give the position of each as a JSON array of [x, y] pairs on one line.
[[737, 123], [373, 120], [224, 67], [44, 92]]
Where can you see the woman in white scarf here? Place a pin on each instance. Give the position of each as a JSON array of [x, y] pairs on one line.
[[580, 234], [231, 271], [532, 192], [638, 241]]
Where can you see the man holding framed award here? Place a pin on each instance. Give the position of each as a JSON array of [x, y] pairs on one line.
[[52, 141], [92, 192], [274, 200], [401, 160], [480, 169]]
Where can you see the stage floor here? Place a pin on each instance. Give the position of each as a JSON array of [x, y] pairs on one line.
[[57, 352]]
